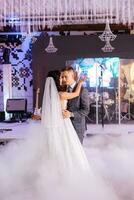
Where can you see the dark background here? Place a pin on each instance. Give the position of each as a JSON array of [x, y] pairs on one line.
[[71, 48]]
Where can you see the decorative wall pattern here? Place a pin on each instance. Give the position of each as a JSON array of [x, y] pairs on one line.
[[22, 80]]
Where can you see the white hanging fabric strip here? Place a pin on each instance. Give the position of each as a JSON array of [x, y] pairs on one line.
[[129, 14], [111, 11], [117, 11], [4, 12], [28, 16]]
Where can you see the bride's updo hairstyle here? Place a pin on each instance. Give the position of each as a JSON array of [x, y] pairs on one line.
[[55, 74]]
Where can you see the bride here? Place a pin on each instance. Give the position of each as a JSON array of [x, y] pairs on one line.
[[51, 163]]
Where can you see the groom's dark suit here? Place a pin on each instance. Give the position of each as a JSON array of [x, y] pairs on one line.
[[79, 106]]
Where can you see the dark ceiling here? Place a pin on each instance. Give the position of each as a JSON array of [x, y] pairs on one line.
[[12, 33]]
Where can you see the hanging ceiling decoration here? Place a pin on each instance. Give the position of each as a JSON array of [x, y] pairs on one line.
[[30, 15], [51, 48], [107, 36]]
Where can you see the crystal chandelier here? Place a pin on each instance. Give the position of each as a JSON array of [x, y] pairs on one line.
[[51, 48], [108, 47], [107, 36]]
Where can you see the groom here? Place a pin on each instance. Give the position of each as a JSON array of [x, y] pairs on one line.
[[77, 108]]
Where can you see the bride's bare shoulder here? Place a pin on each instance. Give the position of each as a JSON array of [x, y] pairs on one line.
[[61, 94]]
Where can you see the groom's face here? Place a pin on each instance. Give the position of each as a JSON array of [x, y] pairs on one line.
[[67, 77]]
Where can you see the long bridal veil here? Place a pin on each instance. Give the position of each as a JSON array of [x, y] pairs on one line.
[[61, 141], [51, 108]]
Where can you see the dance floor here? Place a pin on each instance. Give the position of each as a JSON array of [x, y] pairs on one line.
[[110, 129], [109, 149], [20, 130], [10, 131]]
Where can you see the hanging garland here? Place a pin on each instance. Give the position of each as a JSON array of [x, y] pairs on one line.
[[32, 14]]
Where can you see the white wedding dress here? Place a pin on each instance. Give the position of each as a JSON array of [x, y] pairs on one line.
[[51, 163]]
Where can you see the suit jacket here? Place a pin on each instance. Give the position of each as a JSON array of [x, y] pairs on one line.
[[80, 108]]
